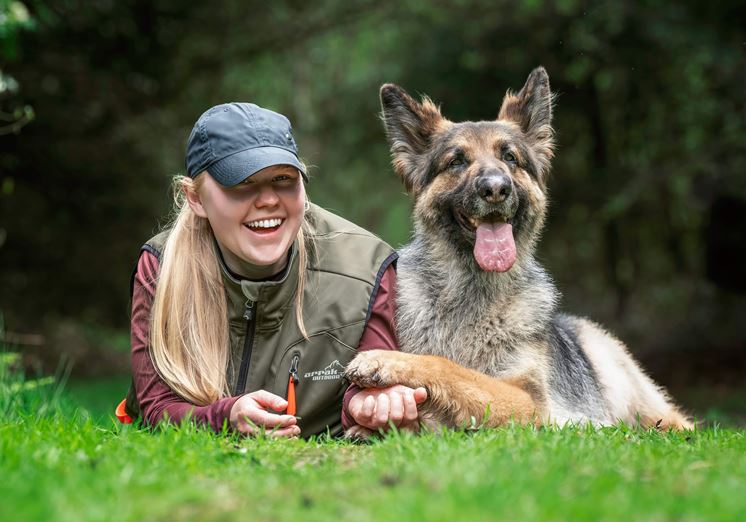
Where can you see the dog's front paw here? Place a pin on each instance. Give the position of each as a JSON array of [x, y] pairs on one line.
[[376, 369]]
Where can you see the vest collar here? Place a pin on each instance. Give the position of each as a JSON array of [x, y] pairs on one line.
[[272, 299]]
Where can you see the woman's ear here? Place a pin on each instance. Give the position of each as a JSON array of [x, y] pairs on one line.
[[194, 200]]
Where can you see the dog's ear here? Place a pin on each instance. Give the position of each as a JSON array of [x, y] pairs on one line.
[[410, 126], [532, 108]]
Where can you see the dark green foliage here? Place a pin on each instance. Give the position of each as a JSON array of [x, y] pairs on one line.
[[650, 120]]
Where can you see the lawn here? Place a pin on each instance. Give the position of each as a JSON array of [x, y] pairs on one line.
[[62, 459]]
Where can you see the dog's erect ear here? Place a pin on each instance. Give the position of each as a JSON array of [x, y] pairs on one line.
[[531, 108], [410, 126]]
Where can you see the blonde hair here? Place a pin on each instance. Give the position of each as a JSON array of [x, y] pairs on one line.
[[189, 338]]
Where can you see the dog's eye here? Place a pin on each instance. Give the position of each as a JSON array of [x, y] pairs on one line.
[[509, 157], [458, 161]]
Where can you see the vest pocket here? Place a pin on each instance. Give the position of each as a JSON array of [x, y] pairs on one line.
[[312, 372]]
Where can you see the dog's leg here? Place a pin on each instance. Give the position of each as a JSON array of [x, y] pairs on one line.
[[673, 420], [457, 396]]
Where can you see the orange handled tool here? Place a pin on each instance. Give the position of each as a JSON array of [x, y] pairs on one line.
[[292, 381], [291, 397]]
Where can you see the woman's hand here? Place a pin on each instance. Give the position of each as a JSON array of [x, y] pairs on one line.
[[378, 408], [249, 415]]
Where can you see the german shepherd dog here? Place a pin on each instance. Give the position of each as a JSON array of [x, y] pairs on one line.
[[477, 319]]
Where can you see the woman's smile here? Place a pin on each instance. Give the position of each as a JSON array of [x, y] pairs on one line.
[[266, 226]]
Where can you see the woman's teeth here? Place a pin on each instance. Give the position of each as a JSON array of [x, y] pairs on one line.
[[265, 223]]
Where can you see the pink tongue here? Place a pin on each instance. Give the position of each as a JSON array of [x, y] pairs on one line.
[[495, 248]]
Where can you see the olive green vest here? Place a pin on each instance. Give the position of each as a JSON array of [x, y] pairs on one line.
[[342, 278]]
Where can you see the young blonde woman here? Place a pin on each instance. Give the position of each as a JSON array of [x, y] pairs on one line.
[[246, 310]]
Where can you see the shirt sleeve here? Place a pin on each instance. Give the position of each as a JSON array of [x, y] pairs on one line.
[[157, 400], [379, 333]]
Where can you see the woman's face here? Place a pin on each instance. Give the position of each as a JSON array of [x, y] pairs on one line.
[[257, 220]]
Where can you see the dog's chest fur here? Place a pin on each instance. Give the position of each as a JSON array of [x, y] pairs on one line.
[[493, 323]]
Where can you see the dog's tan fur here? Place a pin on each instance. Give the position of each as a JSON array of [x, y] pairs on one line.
[[484, 342]]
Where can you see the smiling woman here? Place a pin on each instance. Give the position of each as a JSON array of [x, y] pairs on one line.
[[213, 295]]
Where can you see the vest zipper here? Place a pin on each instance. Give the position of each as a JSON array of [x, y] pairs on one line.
[[292, 381], [248, 344]]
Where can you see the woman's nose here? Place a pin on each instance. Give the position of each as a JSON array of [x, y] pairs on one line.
[[266, 196]]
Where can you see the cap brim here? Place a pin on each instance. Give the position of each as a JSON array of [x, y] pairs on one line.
[[235, 168]]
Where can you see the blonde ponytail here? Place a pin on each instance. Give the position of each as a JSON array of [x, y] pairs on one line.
[[189, 326], [306, 247]]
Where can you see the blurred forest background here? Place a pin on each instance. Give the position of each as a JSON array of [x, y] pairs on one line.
[[646, 232]]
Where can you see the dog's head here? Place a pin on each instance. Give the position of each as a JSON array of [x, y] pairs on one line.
[[478, 186]]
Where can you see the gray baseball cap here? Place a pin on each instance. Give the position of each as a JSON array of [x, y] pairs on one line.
[[233, 141]]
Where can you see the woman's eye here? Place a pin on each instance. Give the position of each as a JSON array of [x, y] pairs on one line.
[[509, 157]]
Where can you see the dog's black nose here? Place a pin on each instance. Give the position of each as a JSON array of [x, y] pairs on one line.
[[494, 188]]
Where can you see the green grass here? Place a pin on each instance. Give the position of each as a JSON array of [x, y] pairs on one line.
[[73, 469], [63, 457]]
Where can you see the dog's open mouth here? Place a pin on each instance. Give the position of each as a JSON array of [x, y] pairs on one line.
[[494, 246]]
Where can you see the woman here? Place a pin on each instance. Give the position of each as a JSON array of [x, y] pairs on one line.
[[247, 308]]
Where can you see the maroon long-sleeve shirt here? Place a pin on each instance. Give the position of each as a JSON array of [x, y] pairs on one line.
[[156, 398]]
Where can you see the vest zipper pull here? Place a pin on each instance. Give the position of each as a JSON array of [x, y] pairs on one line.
[[248, 313], [292, 381], [294, 368]]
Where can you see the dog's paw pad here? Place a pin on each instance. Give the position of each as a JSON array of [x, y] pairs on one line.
[[369, 370]]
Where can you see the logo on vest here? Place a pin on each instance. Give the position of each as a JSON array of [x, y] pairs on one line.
[[334, 371]]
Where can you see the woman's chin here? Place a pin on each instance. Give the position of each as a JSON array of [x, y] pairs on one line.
[[266, 255]]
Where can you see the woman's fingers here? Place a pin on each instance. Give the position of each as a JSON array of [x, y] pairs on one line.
[[258, 414], [251, 429], [420, 395], [410, 408], [290, 431], [382, 410], [362, 408], [271, 420], [368, 409], [254, 421], [269, 400], [396, 408], [380, 407], [249, 414]]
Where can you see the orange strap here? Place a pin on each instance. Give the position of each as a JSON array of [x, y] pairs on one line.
[[291, 396], [121, 413]]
